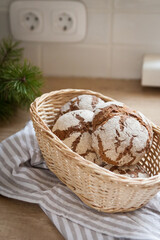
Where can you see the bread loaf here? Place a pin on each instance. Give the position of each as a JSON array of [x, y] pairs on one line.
[[120, 135], [74, 129]]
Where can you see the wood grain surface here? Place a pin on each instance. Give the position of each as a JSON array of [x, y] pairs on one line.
[[25, 221]]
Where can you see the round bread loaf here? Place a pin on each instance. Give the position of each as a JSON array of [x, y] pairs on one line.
[[74, 129], [86, 102], [134, 171], [120, 135]]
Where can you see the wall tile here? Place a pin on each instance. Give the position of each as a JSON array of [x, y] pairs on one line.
[[32, 52], [98, 4], [136, 28], [76, 60], [137, 5], [4, 24], [98, 27], [127, 60]]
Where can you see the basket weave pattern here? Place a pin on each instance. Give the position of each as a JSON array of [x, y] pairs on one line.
[[94, 185]]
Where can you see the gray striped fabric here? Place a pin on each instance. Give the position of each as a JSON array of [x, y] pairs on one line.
[[24, 176]]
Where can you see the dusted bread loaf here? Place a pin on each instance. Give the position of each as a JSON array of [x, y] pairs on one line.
[[86, 102], [74, 129], [120, 135]]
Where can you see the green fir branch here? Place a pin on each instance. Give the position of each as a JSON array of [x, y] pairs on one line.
[[20, 83], [9, 51]]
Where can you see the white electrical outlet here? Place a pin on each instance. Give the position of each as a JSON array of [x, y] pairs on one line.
[[64, 22], [48, 21], [31, 21]]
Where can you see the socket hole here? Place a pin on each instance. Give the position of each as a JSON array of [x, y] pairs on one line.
[[36, 19], [69, 19], [32, 27], [64, 28], [60, 19], [27, 18]]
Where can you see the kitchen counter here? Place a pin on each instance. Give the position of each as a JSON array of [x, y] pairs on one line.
[[21, 220]]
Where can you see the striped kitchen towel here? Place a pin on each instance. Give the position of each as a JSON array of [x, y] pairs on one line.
[[24, 176]]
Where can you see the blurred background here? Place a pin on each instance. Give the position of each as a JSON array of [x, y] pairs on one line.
[[118, 34]]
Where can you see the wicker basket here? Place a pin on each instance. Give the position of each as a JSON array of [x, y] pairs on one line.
[[97, 187]]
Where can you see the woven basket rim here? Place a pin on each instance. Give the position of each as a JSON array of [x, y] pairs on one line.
[[45, 95], [153, 180]]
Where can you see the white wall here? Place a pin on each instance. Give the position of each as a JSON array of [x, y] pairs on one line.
[[119, 33]]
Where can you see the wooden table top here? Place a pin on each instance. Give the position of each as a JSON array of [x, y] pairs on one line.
[[20, 220]]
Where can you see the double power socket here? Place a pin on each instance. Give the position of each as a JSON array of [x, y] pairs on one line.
[[48, 21]]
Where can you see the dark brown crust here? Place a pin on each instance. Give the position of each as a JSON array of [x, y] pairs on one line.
[[63, 134], [75, 143]]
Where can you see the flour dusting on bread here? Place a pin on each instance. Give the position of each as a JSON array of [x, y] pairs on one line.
[[120, 136], [74, 129]]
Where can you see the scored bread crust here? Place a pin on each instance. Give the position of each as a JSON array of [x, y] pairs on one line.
[[120, 135], [86, 102], [74, 129]]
